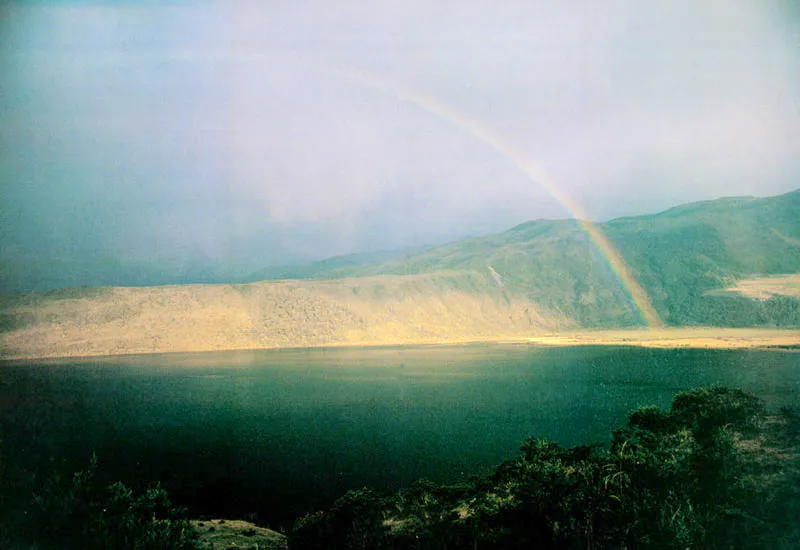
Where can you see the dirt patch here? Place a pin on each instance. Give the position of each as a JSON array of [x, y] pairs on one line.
[[221, 533], [694, 337], [764, 288]]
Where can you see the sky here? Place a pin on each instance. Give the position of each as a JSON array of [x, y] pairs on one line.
[[159, 142]]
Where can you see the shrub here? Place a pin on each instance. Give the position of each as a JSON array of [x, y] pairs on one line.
[[671, 480], [82, 513]]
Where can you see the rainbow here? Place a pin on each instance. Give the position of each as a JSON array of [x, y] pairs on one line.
[[619, 267]]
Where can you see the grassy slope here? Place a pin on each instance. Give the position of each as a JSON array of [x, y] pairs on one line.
[[686, 252], [541, 276], [763, 288], [678, 256], [373, 310]]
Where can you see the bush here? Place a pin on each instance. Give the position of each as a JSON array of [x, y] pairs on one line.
[[704, 410], [671, 480], [82, 513], [354, 521]]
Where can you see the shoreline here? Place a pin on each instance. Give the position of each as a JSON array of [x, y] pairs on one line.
[[675, 338], [694, 337]]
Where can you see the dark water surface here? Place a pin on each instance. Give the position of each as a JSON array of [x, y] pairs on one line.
[[274, 433]]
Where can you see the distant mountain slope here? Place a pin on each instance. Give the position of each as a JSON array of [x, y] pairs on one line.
[[329, 268], [540, 276], [678, 256], [686, 252], [377, 310]]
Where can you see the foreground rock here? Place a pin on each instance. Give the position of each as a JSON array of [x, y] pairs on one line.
[[221, 533]]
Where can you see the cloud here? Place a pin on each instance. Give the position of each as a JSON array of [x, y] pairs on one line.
[[200, 132]]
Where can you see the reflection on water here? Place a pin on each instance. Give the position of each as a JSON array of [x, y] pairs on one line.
[[277, 432]]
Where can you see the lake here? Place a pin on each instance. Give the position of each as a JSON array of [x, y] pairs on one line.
[[270, 434]]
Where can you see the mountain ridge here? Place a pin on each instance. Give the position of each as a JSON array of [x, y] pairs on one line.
[[535, 278]]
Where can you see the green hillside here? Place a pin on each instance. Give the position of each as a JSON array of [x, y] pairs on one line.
[[724, 263], [680, 256], [685, 252]]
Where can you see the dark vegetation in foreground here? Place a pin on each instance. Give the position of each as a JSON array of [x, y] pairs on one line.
[[714, 472], [82, 512]]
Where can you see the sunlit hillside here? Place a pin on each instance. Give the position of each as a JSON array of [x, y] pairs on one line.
[[679, 256], [372, 310], [702, 264]]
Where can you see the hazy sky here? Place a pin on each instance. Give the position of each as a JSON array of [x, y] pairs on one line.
[[159, 141]]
